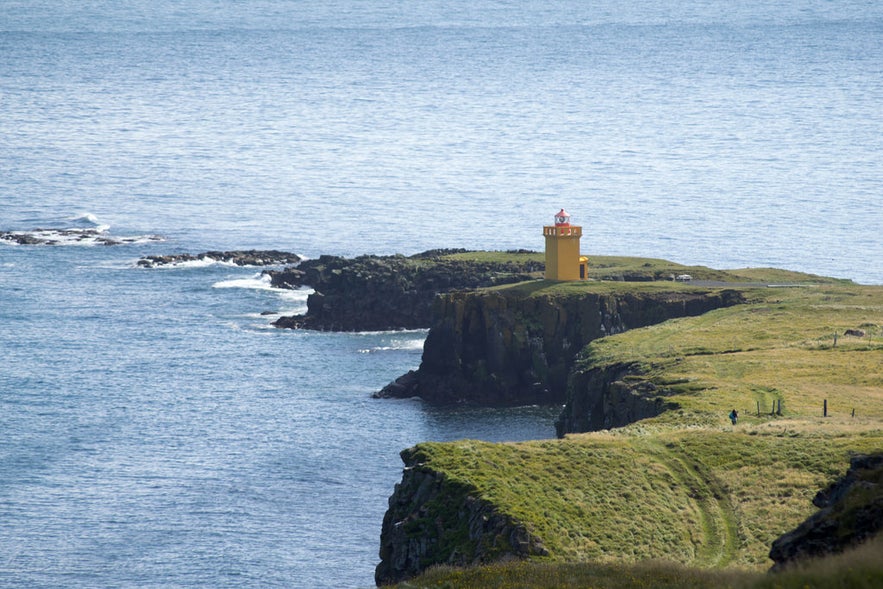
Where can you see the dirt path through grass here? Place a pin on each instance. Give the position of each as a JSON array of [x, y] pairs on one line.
[[717, 517]]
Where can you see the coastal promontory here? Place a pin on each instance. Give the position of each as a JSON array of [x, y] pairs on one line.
[[369, 293], [661, 472]]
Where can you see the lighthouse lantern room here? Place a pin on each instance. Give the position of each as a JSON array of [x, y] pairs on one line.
[[563, 261]]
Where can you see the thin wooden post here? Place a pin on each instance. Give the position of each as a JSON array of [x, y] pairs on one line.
[[758, 408], [825, 408], [853, 411], [779, 410]]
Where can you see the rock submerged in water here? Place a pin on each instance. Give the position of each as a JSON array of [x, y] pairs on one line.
[[238, 257], [407, 385], [71, 236]]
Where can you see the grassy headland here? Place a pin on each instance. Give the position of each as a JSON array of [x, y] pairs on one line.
[[688, 487]]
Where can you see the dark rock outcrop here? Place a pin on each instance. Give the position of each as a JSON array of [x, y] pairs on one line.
[[433, 520], [503, 348], [237, 257], [371, 293], [609, 396], [851, 512]]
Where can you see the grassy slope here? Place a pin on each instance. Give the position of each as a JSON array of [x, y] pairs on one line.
[[779, 346], [861, 568], [688, 486]]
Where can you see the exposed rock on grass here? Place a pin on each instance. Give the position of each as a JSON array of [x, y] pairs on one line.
[[851, 512]]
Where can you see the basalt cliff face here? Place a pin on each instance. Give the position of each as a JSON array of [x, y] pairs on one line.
[[507, 348], [432, 520], [609, 396]]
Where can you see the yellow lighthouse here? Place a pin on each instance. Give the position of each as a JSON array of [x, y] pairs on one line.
[[563, 261]]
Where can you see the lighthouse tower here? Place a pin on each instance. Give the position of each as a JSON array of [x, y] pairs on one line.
[[563, 261]]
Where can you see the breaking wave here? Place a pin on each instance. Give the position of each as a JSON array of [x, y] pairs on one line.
[[410, 340], [293, 301], [257, 282], [203, 262]]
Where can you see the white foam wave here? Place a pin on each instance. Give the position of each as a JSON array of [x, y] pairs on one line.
[[294, 302], [203, 262], [411, 340], [295, 295], [415, 348], [257, 282], [73, 236], [85, 217], [90, 220], [394, 332]]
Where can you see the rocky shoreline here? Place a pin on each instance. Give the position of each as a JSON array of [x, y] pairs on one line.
[[380, 293], [71, 236], [235, 257], [516, 344]]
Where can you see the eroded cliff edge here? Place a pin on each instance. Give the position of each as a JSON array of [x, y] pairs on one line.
[[517, 345], [850, 512], [434, 520]]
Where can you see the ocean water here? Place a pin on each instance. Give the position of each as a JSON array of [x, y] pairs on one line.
[[156, 431]]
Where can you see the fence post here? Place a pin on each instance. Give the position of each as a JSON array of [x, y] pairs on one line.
[[825, 407], [758, 408], [853, 411], [779, 410]]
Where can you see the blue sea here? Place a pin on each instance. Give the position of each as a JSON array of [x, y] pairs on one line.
[[156, 431]]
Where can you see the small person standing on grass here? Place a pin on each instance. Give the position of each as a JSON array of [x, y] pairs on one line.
[[734, 416]]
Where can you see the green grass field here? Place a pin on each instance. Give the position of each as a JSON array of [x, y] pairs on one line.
[[688, 488], [861, 568]]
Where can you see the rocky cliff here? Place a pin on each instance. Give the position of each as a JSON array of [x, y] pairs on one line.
[[433, 520], [517, 347], [609, 396], [851, 512], [392, 292]]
